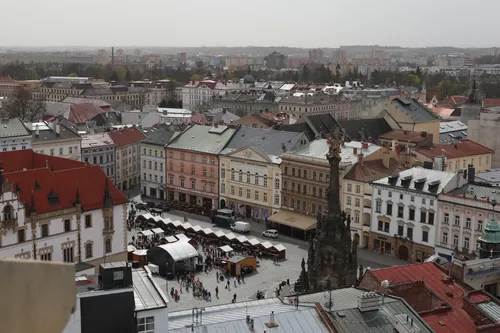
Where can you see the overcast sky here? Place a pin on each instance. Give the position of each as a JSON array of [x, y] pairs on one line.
[[302, 23]]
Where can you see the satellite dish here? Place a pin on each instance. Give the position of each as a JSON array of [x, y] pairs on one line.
[[385, 284]]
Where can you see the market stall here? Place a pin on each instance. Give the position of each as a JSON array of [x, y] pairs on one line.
[[147, 234], [279, 250], [171, 239], [237, 263], [174, 257], [140, 256], [225, 251], [158, 232]]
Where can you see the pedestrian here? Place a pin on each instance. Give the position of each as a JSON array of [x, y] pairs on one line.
[[243, 277], [217, 291], [234, 281], [210, 296], [239, 279], [180, 288], [217, 276], [234, 298]]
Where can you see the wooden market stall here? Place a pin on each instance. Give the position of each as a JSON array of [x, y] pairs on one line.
[[236, 263]]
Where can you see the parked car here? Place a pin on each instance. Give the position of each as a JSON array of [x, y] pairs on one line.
[[271, 233], [241, 227], [222, 221]]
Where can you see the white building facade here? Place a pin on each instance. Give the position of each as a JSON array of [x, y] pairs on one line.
[[56, 139], [14, 135], [404, 212]]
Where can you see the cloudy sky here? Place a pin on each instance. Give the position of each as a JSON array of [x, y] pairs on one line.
[[311, 23]]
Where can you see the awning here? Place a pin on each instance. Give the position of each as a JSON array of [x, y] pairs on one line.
[[147, 216], [253, 241], [226, 248], [182, 237], [180, 250], [131, 248], [197, 228], [230, 236], [176, 223], [242, 239], [186, 226], [157, 231], [279, 247], [266, 245], [294, 220], [219, 233], [171, 239], [146, 233], [140, 252], [208, 231]]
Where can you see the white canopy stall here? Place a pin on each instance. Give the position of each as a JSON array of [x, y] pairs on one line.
[[158, 231]]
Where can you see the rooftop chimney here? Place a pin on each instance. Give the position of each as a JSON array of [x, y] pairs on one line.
[[471, 173], [369, 301], [360, 159], [58, 129], [365, 145], [355, 151]]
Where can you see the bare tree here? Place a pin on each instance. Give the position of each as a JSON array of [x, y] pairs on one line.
[[23, 105]]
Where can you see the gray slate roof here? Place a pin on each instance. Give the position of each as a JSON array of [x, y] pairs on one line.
[[224, 116], [414, 109], [158, 137], [477, 191], [203, 139], [13, 127], [270, 140], [48, 134]]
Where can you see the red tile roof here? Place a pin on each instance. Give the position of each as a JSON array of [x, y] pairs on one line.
[[453, 101], [404, 136], [461, 149], [454, 320], [371, 170], [126, 136], [491, 102], [81, 113], [62, 177], [205, 82]]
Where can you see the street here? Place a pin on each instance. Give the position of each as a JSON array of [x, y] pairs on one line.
[[268, 274]]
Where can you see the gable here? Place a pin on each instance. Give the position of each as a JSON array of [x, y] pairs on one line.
[[247, 153]]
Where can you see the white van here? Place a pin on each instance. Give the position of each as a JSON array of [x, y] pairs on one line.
[[241, 227], [271, 233]]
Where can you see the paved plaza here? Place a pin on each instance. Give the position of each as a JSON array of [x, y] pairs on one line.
[[266, 278]]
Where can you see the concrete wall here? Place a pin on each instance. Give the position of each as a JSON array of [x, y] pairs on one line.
[[485, 131]]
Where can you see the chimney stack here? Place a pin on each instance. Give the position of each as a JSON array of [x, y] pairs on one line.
[[365, 145], [360, 159], [355, 151], [471, 174]]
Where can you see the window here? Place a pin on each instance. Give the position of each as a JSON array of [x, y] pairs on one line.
[[265, 180], [313, 208], [292, 203], [193, 170], [378, 206], [356, 217], [455, 240], [277, 184], [46, 256], [88, 250], [349, 188], [409, 233], [286, 170], [304, 205], [256, 179], [240, 176], [240, 192], [446, 218], [146, 325], [232, 190], [348, 200], [411, 215], [379, 192], [182, 168], [388, 209], [276, 199], [256, 195], [265, 197], [320, 193], [444, 238], [222, 188], [401, 230], [232, 174], [60, 151], [386, 226], [466, 242], [248, 194], [212, 188], [431, 202], [88, 221], [171, 166], [171, 154], [223, 173], [193, 158], [21, 236], [45, 230], [425, 236], [423, 216], [431, 218], [204, 172], [468, 222], [400, 197], [7, 213], [68, 254], [67, 225], [171, 180], [204, 160], [457, 220], [182, 156], [182, 182], [357, 202], [480, 225], [193, 183], [248, 177], [293, 172], [107, 245], [401, 210], [383, 226], [212, 161]]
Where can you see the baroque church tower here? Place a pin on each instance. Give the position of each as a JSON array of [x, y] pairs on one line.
[[332, 257]]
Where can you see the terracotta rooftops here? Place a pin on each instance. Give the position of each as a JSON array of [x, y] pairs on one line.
[[126, 136], [461, 149], [405, 136], [441, 301], [48, 183], [371, 170]]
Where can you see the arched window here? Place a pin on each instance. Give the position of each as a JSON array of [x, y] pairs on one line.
[[7, 213], [88, 250], [107, 246]]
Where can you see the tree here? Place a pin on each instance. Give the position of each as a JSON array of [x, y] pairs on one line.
[[114, 77], [73, 75], [196, 77], [128, 76], [22, 105], [121, 72]]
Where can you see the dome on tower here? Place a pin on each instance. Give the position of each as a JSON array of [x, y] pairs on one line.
[[248, 79]]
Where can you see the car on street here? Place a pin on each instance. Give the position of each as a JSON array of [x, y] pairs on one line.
[[271, 233]]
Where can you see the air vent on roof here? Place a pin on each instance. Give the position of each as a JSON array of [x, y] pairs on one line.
[[404, 324]]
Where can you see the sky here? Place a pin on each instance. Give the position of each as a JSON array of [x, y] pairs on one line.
[[296, 23]]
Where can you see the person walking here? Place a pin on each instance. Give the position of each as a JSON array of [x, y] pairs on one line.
[[234, 281], [217, 291], [217, 276], [234, 298]]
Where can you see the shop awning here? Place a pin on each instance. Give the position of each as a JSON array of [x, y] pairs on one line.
[[180, 250], [197, 228], [208, 231], [279, 247], [226, 248], [266, 245], [146, 233], [230, 236], [158, 231], [294, 220], [171, 239], [182, 237], [253, 241], [147, 216], [242, 239], [140, 252], [131, 248], [186, 226], [219, 233]]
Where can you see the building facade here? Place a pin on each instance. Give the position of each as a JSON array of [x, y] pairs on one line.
[[153, 163], [404, 212], [199, 95], [99, 149], [56, 139], [128, 159], [193, 165], [303, 104], [14, 135], [55, 209]]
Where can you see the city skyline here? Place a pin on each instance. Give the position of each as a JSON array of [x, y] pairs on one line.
[[324, 24]]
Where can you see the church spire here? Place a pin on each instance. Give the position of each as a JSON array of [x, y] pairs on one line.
[[333, 157]]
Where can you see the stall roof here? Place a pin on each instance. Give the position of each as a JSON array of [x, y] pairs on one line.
[[219, 233], [242, 239], [186, 225], [180, 250], [237, 259], [176, 223], [158, 231], [280, 247], [226, 248], [253, 241], [197, 228], [208, 231], [146, 233], [171, 239], [230, 236], [182, 237], [140, 252], [147, 216], [131, 248], [266, 244], [293, 220]]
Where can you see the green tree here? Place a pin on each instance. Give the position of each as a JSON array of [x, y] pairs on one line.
[[413, 80], [128, 76], [114, 77], [306, 74], [121, 72], [31, 74], [23, 105], [196, 77]]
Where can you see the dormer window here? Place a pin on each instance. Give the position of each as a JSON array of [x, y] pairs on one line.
[[53, 199]]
